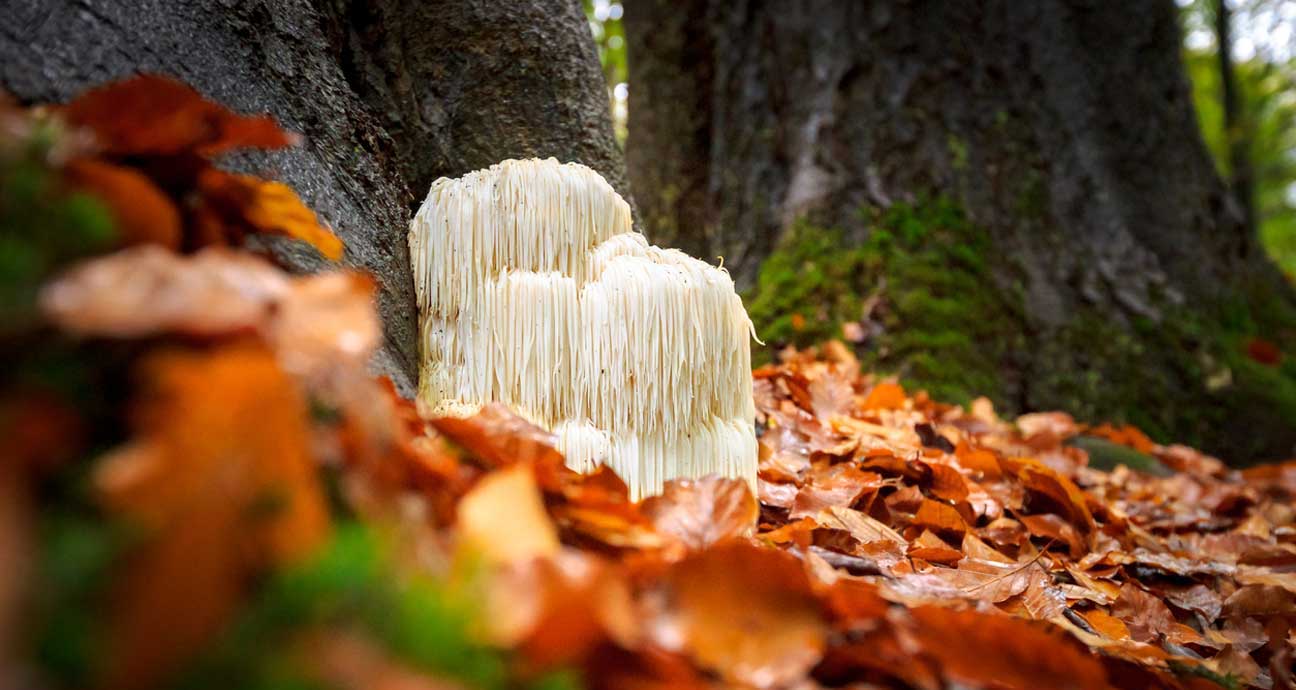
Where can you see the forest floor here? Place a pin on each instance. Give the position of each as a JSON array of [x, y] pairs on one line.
[[207, 488]]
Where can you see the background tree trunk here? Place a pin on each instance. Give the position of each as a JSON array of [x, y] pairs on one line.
[[1061, 129], [1236, 123], [390, 95]]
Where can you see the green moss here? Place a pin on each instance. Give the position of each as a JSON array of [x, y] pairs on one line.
[[943, 310], [940, 321]]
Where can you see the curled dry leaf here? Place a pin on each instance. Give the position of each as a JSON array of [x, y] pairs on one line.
[[147, 290], [502, 519], [701, 512], [156, 115], [326, 321], [500, 438], [265, 206], [744, 612]]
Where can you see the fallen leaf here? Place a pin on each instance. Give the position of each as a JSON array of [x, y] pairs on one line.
[[941, 518], [744, 612], [1145, 615], [1106, 624], [222, 485], [502, 519], [701, 512], [156, 115], [981, 650], [250, 204], [147, 290], [884, 396], [1260, 600], [141, 213], [500, 438]]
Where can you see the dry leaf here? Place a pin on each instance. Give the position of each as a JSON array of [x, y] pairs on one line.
[[701, 512], [155, 115], [745, 612], [502, 519]]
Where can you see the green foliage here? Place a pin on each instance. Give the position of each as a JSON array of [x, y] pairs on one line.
[[1268, 94], [352, 586], [42, 226], [72, 572], [609, 35]]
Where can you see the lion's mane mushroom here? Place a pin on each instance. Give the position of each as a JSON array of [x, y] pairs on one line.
[[533, 290]]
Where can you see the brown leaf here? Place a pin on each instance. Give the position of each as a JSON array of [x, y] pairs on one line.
[[149, 290], [325, 321], [831, 396], [884, 396], [250, 204], [1052, 492], [1106, 624], [1260, 600], [557, 610], [860, 526], [941, 518], [1144, 614], [502, 519], [947, 483], [999, 651], [1054, 528], [701, 512], [141, 213], [929, 547], [981, 462], [500, 438], [744, 612], [155, 115], [833, 485], [222, 484]]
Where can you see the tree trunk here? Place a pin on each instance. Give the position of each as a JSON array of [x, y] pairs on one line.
[[390, 95], [1236, 129], [1062, 130]]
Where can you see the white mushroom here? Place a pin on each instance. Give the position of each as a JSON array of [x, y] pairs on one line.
[[533, 290]]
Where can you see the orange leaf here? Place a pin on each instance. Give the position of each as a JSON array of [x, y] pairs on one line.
[[503, 520], [222, 484], [244, 203], [500, 438], [941, 518], [141, 213], [745, 612], [980, 461], [701, 512], [929, 547], [885, 396], [1107, 624], [156, 115], [998, 651]]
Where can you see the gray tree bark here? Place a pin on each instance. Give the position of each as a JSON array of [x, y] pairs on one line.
[[390, 95], [1062, 127]]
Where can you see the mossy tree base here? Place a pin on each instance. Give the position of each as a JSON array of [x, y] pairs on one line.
[[930, 299]]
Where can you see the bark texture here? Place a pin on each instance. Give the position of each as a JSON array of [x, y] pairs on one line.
[[390, 95], [1064, 128]]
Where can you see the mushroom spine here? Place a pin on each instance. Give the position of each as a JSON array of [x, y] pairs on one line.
[[534, 291]]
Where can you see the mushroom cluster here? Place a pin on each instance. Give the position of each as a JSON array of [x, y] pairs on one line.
[[534, 291]]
